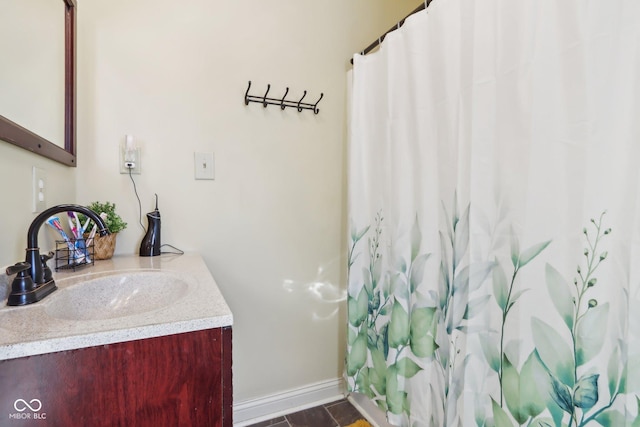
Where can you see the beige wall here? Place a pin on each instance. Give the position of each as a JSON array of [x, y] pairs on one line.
[[271, 225], [16, 167]]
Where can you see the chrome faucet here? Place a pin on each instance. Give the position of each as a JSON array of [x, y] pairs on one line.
[[34, 281]]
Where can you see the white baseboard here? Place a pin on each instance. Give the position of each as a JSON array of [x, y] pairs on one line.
[[371, 412], [265, 408]]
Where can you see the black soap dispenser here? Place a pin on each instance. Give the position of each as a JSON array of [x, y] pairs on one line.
[[150, 245]]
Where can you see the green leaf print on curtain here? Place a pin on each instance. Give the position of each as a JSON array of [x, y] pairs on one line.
[[575, 382], [399, 325], [388, 331]]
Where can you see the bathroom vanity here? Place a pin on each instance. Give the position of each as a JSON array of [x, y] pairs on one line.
[[127, 342]]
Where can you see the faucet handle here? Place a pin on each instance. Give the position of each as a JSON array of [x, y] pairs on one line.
[[17, 268], [46, 271], [22, 286]]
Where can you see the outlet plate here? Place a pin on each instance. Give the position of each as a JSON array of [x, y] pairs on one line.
[[133, 156], [204, 165], [39, 189]]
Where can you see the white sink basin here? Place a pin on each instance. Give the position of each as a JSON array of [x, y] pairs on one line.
[[117, 295]]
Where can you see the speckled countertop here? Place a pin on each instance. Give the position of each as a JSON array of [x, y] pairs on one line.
[[123, 299]]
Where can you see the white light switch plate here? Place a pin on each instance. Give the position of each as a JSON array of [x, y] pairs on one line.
[[204, 165]]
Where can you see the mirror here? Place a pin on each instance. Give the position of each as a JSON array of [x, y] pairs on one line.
[[44, 90]]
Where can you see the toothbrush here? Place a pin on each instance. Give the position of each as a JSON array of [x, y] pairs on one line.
[[103, 215], [76, 229], [72, 226], [54, 222], [86, 225]]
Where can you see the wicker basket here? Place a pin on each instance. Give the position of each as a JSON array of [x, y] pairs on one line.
[[104, 246]]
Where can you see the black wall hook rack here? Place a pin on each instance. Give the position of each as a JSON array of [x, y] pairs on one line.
[[282, 102]]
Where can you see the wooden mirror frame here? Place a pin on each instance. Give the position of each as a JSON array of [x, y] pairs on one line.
[[15, 134]]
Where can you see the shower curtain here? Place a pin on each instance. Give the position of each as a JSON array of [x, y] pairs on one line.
[[494, 258]]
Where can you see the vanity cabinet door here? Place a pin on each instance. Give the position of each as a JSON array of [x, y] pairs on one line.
[[176, 380]]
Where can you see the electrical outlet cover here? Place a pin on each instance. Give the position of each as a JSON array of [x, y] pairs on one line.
[[39, 189]]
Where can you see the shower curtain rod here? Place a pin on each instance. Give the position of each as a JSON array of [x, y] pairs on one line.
[[375, 44]]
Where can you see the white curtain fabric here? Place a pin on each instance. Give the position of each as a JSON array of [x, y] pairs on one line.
[[494, 216]]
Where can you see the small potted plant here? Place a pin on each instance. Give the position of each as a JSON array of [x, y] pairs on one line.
[[104, 246]]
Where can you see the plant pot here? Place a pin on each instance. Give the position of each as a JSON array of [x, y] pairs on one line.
[[104, 246]]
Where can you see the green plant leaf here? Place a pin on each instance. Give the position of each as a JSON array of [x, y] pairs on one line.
[[448, 225], [554, 353], [561, 395], [491, 353], [622, 386], [515, 296], [500, 417], [362, 382], [360, 234], [511, 390], [357, 356], [461, 239], [421, 321], [585, 392], [416, 239], [398, 326], [457, 309], [395, 397], [543, 422], [476, 306], [358, 308], [424, 346], [613, 418], [515, 248], [590, 333], [417, 271], [443, 286], [461, 281], [352, 334], [396, 281], [500, 287], [613, 371], [560, 295], [376, 273], [366, 277], [384, 333], [355, 234], [113, 222], [400, 264], [378, 375], [531, 252], [636, 421], [444, 259], [534, 386], [352, 228], [478, 273], [407, 367]]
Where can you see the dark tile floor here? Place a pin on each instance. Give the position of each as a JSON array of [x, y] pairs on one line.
[[335, 414]]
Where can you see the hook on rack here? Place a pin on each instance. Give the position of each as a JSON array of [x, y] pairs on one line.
[[282, 106], [282, 102], [264, 98], [300, 102], [246, 94], [316, 110]]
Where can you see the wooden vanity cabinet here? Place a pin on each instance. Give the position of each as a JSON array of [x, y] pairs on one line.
[[175, 380]]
